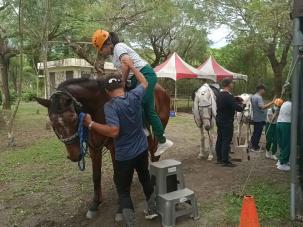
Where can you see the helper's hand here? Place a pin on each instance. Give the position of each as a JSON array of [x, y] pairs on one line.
[[87, 120], [128, 62]]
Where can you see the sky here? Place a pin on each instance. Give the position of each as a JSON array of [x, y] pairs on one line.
[[219, 36]]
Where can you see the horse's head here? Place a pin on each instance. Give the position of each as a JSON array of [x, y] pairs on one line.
[[246, 114], [63, 115], [204, 96]]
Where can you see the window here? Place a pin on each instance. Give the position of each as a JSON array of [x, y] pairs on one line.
[[69, 75]]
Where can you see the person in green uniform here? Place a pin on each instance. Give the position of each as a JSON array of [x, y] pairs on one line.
[[108, 43], [283, 134], [271, 133]]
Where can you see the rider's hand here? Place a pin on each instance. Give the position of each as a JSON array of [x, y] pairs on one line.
[[128, 62], [87, 120]]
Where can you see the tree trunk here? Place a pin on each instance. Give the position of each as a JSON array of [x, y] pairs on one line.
[[6, 105], [278, 83]]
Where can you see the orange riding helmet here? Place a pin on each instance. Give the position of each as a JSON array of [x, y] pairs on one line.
[[99, 37], [278, 102]]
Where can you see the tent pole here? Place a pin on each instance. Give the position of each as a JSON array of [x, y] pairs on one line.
[[175, 101]]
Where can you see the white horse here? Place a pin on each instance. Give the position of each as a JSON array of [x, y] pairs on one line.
[[244, 118], [205, 110]]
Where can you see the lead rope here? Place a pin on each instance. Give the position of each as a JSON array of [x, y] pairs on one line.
[[286, 84], [83, 137]]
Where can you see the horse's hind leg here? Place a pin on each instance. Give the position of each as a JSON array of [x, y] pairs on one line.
[[211, 146], [202, 146], [97, 199]]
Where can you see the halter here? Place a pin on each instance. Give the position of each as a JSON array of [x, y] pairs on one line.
[[209, 106], [81, 133], [78, 107]]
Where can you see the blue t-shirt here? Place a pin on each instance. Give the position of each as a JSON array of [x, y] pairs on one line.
[[126, 113], [259, 115]]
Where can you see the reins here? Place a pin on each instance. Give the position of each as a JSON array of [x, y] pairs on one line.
[[82, 132], [83, 137]]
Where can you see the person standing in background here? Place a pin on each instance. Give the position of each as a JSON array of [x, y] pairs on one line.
[[283, 134], [270, 129], [227, 106], [259, 116]]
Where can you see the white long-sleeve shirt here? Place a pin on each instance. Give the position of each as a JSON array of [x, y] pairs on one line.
[[285, 113]]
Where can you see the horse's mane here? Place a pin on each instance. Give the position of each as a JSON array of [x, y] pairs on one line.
[[60, 103], [64, 84]]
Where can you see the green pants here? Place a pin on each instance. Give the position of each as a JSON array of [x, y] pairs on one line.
[[271, 138], [283, 135], [149, 102]]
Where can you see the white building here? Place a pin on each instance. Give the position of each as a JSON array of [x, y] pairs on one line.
[[70, 68]]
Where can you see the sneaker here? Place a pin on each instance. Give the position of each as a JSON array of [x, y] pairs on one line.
[[151, 211], [255, 150], [129, 217], [228, 164], [149, 214], [283, 167], [278, 163], [268, 155], [274, 157], [162, 147]]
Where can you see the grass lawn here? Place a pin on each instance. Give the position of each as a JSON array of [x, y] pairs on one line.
[[36, 180]]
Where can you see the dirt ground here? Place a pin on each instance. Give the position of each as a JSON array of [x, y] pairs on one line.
[[210, 182]]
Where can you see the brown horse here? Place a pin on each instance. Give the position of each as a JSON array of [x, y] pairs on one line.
[[89, 96]]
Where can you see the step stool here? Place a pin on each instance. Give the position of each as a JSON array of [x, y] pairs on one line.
[[167, 176], [168, 206], [240, 153]]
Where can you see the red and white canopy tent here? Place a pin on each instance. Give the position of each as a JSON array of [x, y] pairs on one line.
[[175, 68], [212, 68]]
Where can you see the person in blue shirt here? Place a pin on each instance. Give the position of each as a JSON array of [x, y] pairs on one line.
[[259, 116], [123, 115]]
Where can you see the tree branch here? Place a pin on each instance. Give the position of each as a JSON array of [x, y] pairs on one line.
[[82, 52]]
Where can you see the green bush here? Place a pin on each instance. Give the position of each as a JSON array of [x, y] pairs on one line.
[[0, 98], [28, 96], [13, 97]]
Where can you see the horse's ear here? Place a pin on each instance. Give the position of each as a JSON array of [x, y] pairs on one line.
[[43, 102]]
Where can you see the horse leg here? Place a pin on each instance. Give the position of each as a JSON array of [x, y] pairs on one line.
[[211, 146], [202, 146], [152, 147], [247, 134], [97, 199], [240, 134]]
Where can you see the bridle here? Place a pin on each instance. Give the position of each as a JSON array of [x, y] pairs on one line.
[[78, 107], [81, 134], [246, 110], [209, 108]]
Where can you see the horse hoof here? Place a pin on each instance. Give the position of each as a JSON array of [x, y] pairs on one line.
[[91, 214], [210, 158], [200, 156], [118, 217]]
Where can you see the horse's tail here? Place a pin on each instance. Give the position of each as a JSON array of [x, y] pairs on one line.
[[162, 102]]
